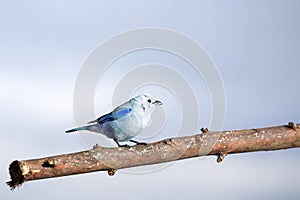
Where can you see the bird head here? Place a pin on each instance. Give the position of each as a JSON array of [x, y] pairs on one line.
[[147, 102]]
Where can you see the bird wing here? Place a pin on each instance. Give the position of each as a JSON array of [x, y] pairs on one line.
[[122, 110], [92, 121], [122, 113], [114, 115], [106, 118]]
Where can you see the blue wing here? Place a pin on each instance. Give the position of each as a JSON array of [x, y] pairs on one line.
[[121, 113], [106, 118], [114, 115]]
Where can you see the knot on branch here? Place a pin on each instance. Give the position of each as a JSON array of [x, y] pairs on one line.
[[111, 172], [50, 162], [292, 125], [97, 146], [204, 130], [168, 141], [221, 157]]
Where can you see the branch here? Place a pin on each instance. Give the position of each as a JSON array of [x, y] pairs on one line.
[[110, 159]]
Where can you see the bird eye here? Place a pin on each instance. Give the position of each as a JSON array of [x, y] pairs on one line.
[[149, 100]]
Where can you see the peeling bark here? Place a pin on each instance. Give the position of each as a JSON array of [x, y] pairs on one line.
[[110, 159]]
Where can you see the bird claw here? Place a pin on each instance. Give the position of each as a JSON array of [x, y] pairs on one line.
[[142, 143], [127, 146], [139, 143], [124, 145]]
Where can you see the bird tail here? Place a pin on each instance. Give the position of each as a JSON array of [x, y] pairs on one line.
[[89, 127]]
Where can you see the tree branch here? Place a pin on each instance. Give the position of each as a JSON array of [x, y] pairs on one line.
[[110, 159]]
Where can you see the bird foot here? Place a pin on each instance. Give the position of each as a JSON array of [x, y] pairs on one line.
[[124, 145], [127, 146], [139, 143], [121, 145]]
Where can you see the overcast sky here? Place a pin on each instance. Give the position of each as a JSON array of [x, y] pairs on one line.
[[255, 46]]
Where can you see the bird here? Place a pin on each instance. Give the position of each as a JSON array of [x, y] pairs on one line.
[[125, 121]]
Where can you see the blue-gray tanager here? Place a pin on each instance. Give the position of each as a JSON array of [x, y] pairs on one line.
[[126, 121]]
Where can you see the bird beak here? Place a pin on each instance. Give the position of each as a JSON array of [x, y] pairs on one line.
[[157, 103]]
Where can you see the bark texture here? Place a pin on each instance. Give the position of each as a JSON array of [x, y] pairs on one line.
[[110, 159]]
